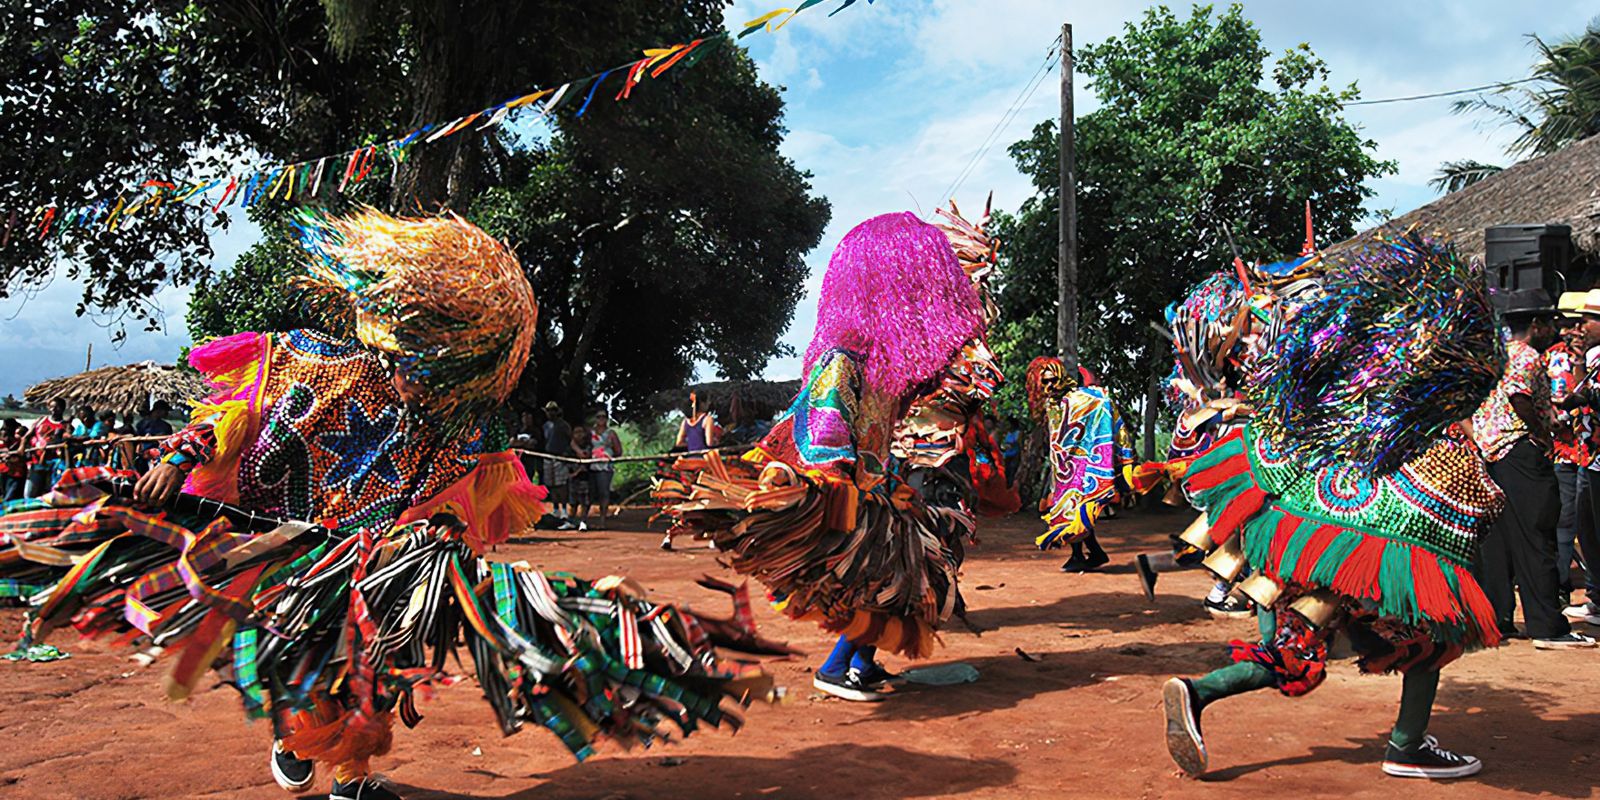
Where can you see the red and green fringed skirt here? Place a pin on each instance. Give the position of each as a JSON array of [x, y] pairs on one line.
[[1399, 545]]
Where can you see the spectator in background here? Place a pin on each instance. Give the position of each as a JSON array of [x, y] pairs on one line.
[[1587, 529], [45, 465], [604, 445], [154, 422], [13, 461], [129, 424], [698, 430], [557, 442], [529, 437], [578, 484], [83, 424], [1564, 362], [1011, 448], [1512, 429]]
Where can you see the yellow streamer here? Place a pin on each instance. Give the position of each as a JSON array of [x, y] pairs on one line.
[[528, 98], [768, 17], [657, 54]]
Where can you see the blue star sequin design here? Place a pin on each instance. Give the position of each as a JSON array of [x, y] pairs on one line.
[[363, 449]]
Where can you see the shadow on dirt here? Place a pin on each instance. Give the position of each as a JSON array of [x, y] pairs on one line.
[[871, 772]]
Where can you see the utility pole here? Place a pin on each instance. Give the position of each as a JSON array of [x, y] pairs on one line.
[[88, 358], [1067, 258]]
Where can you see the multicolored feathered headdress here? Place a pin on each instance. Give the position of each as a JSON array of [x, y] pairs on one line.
[[443, 301], [895, 294], [1206, 329], [1401, 345], [1047, 383], [976, 251]]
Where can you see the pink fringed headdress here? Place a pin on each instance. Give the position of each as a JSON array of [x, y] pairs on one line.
[[895, 294]]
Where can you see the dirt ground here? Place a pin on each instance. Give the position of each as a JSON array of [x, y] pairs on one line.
[[1077, 716]]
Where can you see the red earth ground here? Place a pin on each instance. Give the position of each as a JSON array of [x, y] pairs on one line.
[[1067, 705]]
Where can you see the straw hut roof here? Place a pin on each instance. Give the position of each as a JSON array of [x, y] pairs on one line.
[[757, 399], [1562, 188], [129, 387]]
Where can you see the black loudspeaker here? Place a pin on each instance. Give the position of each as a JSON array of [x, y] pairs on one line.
[[1528, 257]]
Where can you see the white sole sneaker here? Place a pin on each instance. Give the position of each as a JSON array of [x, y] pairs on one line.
[[1188, 750], [846, 692], [284, 781], [1582, 643], [1432, 773]]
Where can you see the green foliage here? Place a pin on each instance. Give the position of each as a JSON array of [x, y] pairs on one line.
[[1198, 139], [659, 238], [258, 293], [658, 231], [1560, 106], [653, 435], [1453, 176], [95, 101]]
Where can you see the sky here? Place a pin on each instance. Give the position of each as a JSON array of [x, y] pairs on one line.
[[888, 103]]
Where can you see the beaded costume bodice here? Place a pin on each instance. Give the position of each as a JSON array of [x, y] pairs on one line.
[[336, 442]]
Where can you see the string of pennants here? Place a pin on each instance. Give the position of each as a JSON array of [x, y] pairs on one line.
[[308, 179]]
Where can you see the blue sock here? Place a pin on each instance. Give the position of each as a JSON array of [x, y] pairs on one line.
[[863, 658], [839, 660]]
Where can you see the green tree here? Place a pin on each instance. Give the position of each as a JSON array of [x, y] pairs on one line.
[[701, 260], [257, 293], [1559, 106], [1199, 139]]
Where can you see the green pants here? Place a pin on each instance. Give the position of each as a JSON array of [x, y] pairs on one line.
[[1416, 693]]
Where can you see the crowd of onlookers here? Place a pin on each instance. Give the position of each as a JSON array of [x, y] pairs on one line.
[[1539, 432], [33, 456], [579, 472]]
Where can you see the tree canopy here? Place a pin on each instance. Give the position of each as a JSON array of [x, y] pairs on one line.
[[1199, 138], [658, 230]]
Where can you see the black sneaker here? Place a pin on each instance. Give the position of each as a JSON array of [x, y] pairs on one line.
[[1571, 641], [876, 677], [1088, 564], [1231, 607], [666, 542], [1147, 577], [364, 789], [1184, 742], [1428, 760], [293, 774], [848, 686], [1587, 611]]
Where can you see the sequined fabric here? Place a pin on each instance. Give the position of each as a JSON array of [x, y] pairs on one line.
[[937, 427], [1438, 501], [336, 443]]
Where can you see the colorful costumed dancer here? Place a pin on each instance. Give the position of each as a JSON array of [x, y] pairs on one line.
[[1218, 332], [384, 440], [1088, 459], [1356, 497], [820, 510], [949, 455]]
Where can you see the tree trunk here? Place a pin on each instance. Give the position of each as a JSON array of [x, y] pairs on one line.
[[1152, 396]]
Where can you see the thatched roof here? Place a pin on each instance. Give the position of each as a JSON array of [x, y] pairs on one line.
[[1562, 188], [757, 399], [130, 387]]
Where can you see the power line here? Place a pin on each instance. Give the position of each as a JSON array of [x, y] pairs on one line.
[[1408, 98], [1011, 112]]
